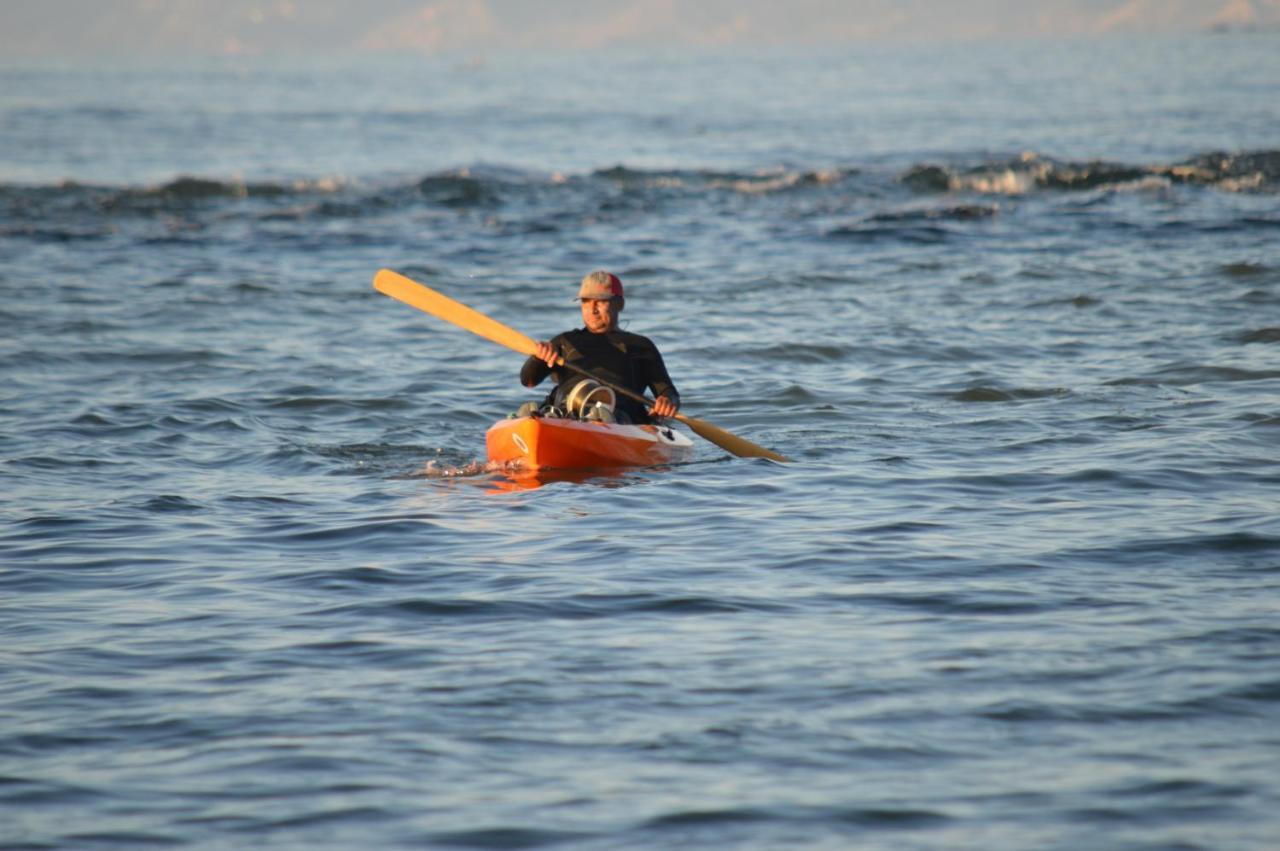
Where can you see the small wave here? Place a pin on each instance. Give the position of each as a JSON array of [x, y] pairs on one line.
[[1187, 376], [871, 232], [344, 815], [987, 393], [1244, 172], [124, 839], [1033, 172], [573, 607], [85, 110], [1258, 419], [1262, 692], [1210, 546], [344, 577], [460, 189], [767, 183], [142, 357], [53, 201], [63, 462], [436, 470], [944, 604], [747, 183], [396, 460], [506, 837], [325, 403], [891, 817], [1241, 640], [875, 817], [958, 212], [1259, 335], [1245, 270], [1234, 172], [803, 353], [24, 792], [54, 234], [685, 818], [1030, 712], [198, 188], [170, 503], [1078, 301], [921, 225], [305, 536], [1190, 789]]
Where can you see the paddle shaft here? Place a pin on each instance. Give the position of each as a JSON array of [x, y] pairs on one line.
[[428, 300], [739, 446]]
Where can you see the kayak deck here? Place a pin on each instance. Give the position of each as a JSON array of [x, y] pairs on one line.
[[550, 443]]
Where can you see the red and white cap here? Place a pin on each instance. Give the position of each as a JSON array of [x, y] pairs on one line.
[[600, 285]]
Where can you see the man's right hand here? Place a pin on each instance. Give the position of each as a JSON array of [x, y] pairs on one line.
[[545, 353]]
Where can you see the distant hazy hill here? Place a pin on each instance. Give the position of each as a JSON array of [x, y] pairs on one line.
[[255, 26]]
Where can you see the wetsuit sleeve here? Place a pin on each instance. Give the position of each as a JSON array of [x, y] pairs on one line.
[[658, 379], [533, 371]]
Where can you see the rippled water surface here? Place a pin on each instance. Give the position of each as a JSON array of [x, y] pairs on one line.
[[1013, 311]]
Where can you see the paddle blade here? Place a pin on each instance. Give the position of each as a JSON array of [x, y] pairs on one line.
[[426, 299], [728, 441]]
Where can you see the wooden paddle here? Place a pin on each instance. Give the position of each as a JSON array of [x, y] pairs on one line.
[[426, 299]]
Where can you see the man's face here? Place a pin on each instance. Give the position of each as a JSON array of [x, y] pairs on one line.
[[600, 314]]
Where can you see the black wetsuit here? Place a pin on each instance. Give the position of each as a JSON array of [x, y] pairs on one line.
[[618, 357]]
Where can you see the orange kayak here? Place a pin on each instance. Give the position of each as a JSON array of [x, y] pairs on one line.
[[547, 443]]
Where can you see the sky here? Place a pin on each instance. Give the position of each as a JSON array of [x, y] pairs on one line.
[[132, 27]]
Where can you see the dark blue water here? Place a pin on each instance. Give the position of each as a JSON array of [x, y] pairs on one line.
[[1013, 310]]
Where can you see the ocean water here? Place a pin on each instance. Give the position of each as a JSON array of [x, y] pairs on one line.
[[1013, 310]]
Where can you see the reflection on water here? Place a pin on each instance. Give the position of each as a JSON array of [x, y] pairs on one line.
[[510, 481]]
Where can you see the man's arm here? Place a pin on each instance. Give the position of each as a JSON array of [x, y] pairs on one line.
[[666, 400], [539, 364]]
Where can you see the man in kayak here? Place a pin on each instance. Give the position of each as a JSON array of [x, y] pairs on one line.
[[618, 357]]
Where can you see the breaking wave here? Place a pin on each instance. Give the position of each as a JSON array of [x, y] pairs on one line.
[[1242, 172], [491, 187]]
